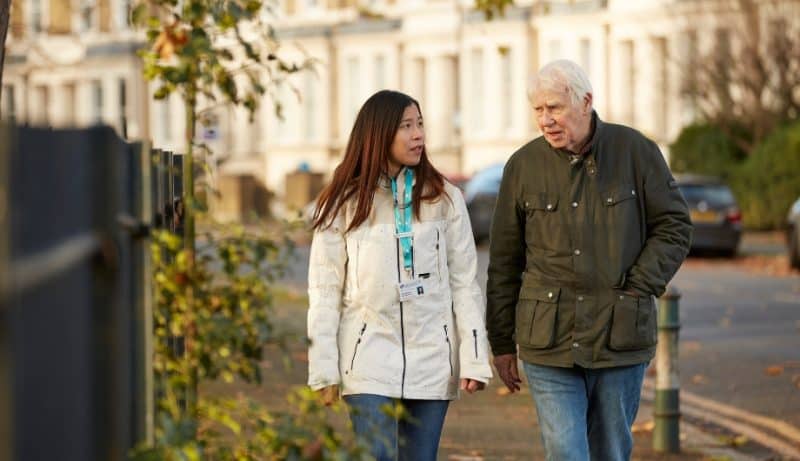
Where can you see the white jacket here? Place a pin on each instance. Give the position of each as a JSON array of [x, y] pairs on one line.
[[363, 338]]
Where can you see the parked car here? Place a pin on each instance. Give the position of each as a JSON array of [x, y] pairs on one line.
[[480, 195], [715, 214], [793, 234]]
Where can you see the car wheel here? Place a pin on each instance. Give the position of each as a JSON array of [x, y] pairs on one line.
[[794, 248]]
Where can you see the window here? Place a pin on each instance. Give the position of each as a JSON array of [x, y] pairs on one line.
[[476, 60], [166, 119], [123, 107], [586, 56], [661, 98], [688, 84], [123, 13], [418, 70], [506, 97], [380, 72], [9, 103], [39, 113], [628, 82], [37, 16], [308, 106], [87, 15], [97, 101], [555, 49], [353, 84], [71, 103], [455, 100]]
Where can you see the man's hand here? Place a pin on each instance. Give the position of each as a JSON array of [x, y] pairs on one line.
[[471, 385], [329, 394], [506, 366]]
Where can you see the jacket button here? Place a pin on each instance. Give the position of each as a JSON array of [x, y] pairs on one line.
[[609, 200], [550, 294], [577, 252], [549, 206], [621, 296], [527, 204], [574, 204], [633, 192], [580, 298], [576, 345]]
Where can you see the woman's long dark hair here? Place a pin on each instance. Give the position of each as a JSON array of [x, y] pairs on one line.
[[366, 158]]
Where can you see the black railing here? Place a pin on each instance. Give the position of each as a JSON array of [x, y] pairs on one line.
[[76, 208]]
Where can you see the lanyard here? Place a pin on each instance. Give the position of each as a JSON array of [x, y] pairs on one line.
[[402, 222]]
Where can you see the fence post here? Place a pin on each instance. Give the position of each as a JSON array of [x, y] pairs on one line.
[[143, 315], [6, 397], [666, 434]]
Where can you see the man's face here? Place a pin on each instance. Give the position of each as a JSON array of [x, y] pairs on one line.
[[565, 125]]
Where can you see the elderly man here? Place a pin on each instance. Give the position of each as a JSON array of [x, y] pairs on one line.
[[589, 227]]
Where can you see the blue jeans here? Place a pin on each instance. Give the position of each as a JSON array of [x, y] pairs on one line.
[[390, 439], [586, 414]]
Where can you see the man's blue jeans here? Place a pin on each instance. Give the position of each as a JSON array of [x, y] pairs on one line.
[[586, 414], [389, 439]]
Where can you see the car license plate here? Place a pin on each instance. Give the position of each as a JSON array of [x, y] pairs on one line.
[[708, 216]]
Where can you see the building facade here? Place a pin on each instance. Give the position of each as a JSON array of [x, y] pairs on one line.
[[73, 63]]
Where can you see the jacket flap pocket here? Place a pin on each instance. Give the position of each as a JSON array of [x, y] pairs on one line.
[[548, 295], [541, 201], [619, 193]]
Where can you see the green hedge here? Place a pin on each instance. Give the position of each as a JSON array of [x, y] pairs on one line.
[[705, 149], [768, 182], [765, 182]]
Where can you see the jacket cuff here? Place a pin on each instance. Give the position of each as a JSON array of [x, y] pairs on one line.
[[504, 348]]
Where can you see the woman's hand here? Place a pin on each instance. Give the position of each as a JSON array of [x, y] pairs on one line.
[[471, 385], [329, 394]]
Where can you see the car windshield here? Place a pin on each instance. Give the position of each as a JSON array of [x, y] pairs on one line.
[[712, 194], [486, 181]]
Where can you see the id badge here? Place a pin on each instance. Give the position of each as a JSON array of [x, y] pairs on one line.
[[411, 290]]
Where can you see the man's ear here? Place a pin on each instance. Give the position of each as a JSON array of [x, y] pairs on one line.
[[587, 104]]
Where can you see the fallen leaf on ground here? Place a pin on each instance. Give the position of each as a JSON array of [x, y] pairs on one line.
[[692, 346], [300, 356], [774, 370], [699, 379], [464, 458], [646, 426], [503, 391]]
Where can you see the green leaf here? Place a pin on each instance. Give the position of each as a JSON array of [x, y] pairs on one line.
[[139, 14]]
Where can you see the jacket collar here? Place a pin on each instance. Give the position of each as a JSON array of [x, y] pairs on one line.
[[385, 182]]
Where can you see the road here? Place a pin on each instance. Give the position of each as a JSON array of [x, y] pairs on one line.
[[740, 336]]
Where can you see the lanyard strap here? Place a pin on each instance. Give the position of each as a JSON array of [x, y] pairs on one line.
[[402, 222]]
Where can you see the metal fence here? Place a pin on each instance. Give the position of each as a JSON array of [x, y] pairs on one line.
[[75, 312]]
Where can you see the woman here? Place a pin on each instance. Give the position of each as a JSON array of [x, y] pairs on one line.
[[395, 311]]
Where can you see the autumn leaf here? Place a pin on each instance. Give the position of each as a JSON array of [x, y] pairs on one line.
[[646, 426], [774, 370], [503, 391]]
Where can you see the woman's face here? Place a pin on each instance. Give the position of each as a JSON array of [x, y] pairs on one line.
[[409, 141]]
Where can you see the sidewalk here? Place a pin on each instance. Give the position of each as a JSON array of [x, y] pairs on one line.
[[492, 424]]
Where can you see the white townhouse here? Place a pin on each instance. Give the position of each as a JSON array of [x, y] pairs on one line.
[[73, 63]]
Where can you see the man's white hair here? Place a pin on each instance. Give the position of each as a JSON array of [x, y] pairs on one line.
[[556, 75]]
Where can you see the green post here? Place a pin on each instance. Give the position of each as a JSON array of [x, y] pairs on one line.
[[666, 434]]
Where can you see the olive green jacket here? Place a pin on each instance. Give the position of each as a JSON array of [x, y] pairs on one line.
[[569, 241]]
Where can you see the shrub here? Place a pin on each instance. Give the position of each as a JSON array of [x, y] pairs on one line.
[[769, 181], [705, 149]]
